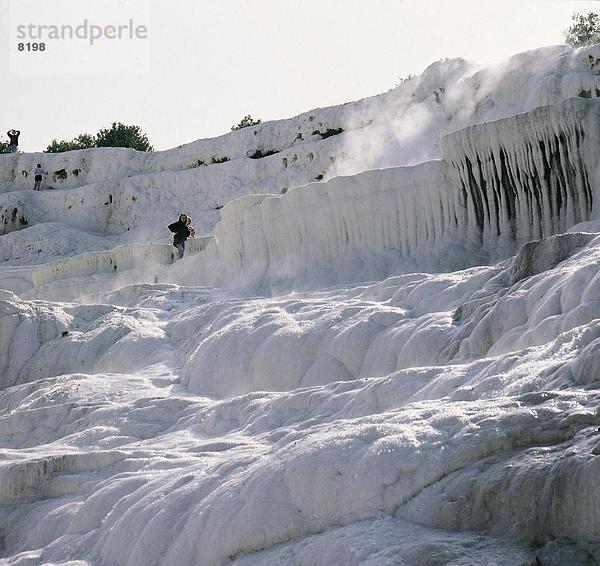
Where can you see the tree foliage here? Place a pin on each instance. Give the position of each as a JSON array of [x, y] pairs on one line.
[[122, 135], [585, 30], [82, 141], [245, 122], [4, 146], [118, 135]]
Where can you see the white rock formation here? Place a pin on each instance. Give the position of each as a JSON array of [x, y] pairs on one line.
[[400, 127], [500, 184]]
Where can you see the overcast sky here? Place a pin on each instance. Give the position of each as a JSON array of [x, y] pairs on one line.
[[213, 61]]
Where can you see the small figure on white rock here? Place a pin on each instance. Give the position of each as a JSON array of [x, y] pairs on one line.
[[13, 136], [39, 177], [181, 233], [191, 228]]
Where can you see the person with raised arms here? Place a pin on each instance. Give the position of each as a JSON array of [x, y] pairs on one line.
[[13, 136]]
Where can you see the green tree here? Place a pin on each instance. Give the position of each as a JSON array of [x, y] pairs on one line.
[[4, 146], [82, 141], [584, 31], [245, 122], [118, 135], [122, 135]]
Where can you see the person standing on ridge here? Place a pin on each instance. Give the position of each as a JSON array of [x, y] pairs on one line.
[[39, 176], [180, 234], [13, 136]]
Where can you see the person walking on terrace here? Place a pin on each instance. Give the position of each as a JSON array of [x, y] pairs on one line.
[[13, 136], [39, 176], [180, 233]]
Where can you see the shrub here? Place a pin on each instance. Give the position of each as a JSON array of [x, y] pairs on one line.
[[404, 80], [122, 135], [118, 135], [245, 122], [82, 141]]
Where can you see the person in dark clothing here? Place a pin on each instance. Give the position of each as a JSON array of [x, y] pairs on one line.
[[180, 234], [13, 136]]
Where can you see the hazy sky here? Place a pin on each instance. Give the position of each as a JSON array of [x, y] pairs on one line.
[[213, 61]]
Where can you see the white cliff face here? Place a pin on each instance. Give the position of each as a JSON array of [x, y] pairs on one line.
[[361, 226], [500, 184], [392, 366], [532, 175], [99, 191]]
